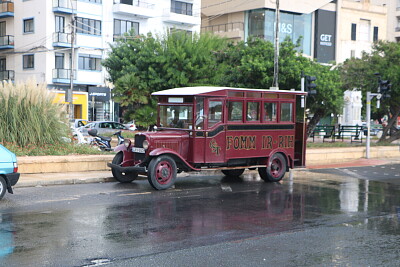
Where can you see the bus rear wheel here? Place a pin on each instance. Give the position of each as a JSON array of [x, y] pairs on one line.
[[233, 173], [276, 169], [162, 172]]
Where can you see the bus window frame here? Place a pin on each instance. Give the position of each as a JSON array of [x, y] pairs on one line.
[[280, 111], [228, 101], [207, 112], [274, 101], [246, 115]]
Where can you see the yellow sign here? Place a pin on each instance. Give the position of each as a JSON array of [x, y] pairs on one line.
[[80, 101]]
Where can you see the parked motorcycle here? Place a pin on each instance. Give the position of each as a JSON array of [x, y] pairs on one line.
[[104, 142]]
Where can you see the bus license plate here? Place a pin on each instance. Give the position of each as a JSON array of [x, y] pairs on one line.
[[138, 150]]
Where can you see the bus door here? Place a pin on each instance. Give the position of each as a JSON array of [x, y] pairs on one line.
[[214, 149]]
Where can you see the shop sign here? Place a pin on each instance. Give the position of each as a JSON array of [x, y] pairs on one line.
[[100, 94]]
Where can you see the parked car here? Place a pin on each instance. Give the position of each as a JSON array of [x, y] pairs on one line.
[[131, 125], [103, 127], [79, 123], [9, 174]]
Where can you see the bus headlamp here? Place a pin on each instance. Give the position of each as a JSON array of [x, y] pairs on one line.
[[145, 144]]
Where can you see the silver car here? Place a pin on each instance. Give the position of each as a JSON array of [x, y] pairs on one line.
[[103, 127]]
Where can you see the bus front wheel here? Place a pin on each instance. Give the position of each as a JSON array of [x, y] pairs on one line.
[[162, 172], [276, 169]]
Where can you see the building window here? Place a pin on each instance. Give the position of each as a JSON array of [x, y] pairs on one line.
[[28, 61], [60, 24], [88, 26], [3, 28], [352, 53], [364, 31], [182, 8], [28, 26], [353, 31], [125, 26], [376, 30], [89, 62], [59, 58]]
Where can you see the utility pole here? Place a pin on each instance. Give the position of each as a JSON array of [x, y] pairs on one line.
[[69, 91], [276, 54]]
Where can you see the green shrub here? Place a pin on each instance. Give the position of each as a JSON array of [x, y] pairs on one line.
[[28, 116]]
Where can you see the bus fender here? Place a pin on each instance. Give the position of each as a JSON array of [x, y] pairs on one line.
[[121, 147], [160, 151], [288, 159]]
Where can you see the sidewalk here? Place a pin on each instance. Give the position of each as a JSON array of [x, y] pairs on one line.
[[65, 178]]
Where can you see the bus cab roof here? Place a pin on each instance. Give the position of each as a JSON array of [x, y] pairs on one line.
[[218, 91]]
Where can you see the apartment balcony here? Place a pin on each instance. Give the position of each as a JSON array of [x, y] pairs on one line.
[[177, 16], [6, 9], [7, 75], [233, 30], [64, 6], [7, 42], [62, 39], [136, 8], [62, 75]]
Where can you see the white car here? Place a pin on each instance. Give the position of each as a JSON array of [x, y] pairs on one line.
[[130, 125]]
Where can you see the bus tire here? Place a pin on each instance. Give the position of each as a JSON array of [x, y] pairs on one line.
[[233, 173], [162, 172], [276, 169], [121, 176]]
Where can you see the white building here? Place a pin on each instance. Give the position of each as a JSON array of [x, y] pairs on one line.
[[36, 40]]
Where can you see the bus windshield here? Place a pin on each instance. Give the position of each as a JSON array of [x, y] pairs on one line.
[[176, 116]]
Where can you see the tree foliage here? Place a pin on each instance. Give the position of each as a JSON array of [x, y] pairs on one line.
[[139, 66], [251, 65], [360, 73]]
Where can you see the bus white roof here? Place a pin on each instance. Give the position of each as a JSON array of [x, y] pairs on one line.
[[199, 90]]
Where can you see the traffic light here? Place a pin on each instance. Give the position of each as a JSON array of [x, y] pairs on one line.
[[310, 85], [385, 88]]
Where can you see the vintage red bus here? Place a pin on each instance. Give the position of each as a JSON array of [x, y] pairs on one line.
[[229, 129]]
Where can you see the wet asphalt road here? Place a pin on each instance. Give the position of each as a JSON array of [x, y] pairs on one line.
[[329, 217]]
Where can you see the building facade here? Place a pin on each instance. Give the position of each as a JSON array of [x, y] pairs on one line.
[[56, 41], [329, 30]]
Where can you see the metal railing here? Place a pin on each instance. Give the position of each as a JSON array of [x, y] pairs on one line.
[[70, 4], [7, 75], [137, 3], [62, 37], [6, 40], [63, 74], [227, 27]]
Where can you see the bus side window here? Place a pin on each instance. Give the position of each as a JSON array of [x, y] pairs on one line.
[[214, 113], [269, 111], [253, 111], [286, 111], [235, 111], [199, 120]]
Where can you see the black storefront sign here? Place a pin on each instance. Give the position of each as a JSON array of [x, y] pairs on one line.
[[325, 36], [101, 94]]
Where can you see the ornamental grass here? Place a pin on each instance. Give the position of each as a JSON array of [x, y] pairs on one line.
[[28, 116]]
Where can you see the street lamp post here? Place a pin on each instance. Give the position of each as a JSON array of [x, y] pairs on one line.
[[69, 91]]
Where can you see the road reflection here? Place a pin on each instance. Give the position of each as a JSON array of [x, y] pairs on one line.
[[135, 223], [6, 236]]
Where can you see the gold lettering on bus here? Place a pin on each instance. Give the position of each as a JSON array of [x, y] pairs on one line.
[[243, 142], [286, 141], [266, 142]]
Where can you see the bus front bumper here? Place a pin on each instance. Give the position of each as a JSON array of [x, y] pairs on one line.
[[138, 169]]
